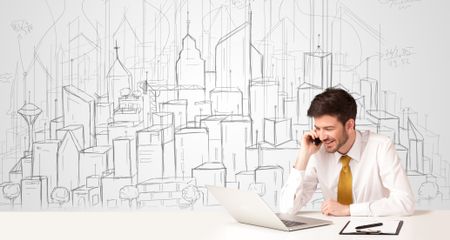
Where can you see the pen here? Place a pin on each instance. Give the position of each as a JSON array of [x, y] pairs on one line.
[[368, 231], [369, 225]]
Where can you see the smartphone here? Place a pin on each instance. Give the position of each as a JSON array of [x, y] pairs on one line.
[[317, 141]]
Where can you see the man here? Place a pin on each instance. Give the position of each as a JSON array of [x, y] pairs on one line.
[[359, 173]]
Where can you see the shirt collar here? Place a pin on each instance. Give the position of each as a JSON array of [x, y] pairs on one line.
[[355, 150]]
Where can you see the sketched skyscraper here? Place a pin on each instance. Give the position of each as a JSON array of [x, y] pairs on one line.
[[156, 152], [118, 78], [79, 109], [68, 162], [190, 75], [415, 162], [45, 161], [34, 193], [318, 62], [124, 154], [237, 61], [236, 136], [191, 150], [263, 104]]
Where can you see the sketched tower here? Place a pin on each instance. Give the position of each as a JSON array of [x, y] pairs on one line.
[[118, 77], [190, 75], [30, 113]]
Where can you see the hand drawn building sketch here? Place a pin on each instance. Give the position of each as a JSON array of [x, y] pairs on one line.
[[113, 104]]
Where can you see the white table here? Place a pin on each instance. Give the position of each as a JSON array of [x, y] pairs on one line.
[[199, 224]]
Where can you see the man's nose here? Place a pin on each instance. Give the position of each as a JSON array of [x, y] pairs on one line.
[[321, 135]]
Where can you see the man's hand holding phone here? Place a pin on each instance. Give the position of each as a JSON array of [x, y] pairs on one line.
[[310, 144]]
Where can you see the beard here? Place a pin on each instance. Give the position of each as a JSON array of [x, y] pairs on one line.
[[341, 141]]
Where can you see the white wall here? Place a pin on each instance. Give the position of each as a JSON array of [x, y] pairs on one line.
[[399, 46]]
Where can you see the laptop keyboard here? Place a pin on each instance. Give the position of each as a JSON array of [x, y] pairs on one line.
[[288, 223]]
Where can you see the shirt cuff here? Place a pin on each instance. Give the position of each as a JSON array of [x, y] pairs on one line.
[[360, 209]]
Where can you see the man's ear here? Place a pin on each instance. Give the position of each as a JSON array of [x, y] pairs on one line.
[[350, 124]]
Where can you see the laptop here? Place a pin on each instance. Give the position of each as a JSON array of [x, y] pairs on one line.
[[248, 208]]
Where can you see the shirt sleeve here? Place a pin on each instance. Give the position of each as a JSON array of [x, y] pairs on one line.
[[401, 200], [298, 189]]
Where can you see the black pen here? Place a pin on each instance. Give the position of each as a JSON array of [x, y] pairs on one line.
[[369, 225], [368, 231]]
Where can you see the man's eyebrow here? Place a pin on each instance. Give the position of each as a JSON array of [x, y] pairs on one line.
[[328, 127]]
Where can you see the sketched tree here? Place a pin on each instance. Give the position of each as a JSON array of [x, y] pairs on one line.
[[191, 194], [60, 195], [129, 193], [11, 191], [428, 191]]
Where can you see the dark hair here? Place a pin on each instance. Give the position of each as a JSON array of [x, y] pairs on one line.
[[335, 102]]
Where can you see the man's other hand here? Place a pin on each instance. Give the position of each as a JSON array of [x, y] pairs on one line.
[[330, 207]]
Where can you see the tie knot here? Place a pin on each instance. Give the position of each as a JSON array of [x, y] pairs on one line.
[[345, 160]]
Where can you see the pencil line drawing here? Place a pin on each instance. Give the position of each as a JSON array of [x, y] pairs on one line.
[[141, 104]]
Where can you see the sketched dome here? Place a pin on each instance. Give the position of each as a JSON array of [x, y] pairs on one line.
[[29, 109]]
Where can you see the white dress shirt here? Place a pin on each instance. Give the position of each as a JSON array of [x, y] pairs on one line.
[[380, 185]]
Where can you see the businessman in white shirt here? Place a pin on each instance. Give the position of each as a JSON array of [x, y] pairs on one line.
[[359, 173]]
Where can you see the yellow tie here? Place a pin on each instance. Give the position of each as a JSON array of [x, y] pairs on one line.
[[345, 195]]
